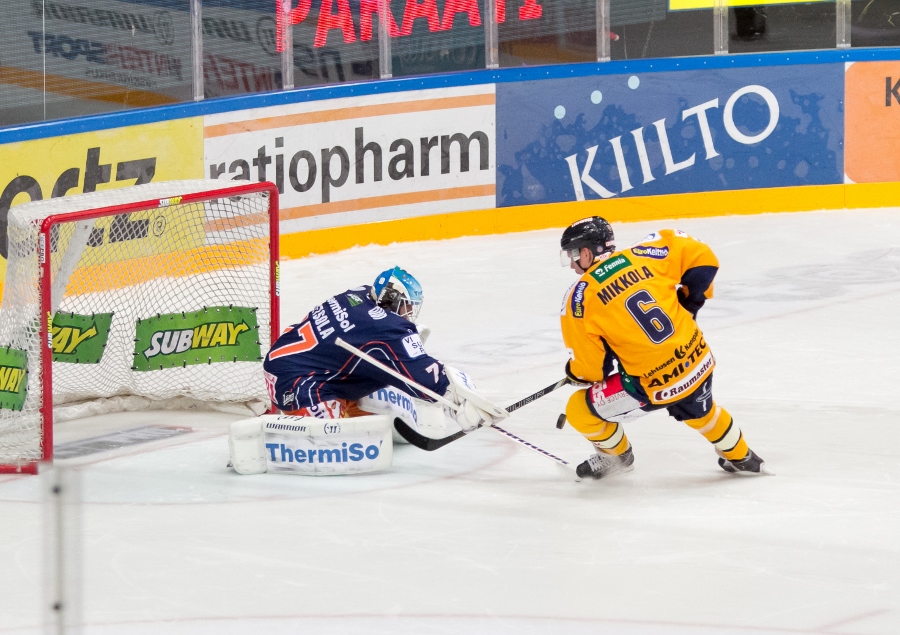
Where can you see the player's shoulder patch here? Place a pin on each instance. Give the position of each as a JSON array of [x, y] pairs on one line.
[[377, 313], [577, 299], [354, 299], [413, 345], [651, 251]]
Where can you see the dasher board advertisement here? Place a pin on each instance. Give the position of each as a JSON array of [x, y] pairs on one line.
[[362, 159], [669, 133], [93, 161], [873, 122]]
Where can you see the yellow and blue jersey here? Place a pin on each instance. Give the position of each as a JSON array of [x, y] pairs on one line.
[[627, 306]]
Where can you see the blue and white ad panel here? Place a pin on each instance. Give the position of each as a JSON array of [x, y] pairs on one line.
[[669, 133]]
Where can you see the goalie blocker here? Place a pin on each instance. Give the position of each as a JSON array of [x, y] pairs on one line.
[[309, 446]]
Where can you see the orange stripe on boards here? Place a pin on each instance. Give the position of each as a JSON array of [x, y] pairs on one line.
[[374, 202], [82, 89], [120, 274], [235, 222], [356, 112], [558, 215]]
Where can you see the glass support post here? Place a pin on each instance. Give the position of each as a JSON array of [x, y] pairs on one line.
[[603, 54], [491, 50], [385, 61], [720, 26], [197, 49], [287, 50], [842, 15]]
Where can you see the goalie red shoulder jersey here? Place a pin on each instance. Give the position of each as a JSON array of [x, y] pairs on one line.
[[627, 306]]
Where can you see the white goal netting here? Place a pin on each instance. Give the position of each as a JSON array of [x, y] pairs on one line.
[[170, 304]]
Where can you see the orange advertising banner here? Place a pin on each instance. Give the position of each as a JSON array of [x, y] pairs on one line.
[[872, 122]]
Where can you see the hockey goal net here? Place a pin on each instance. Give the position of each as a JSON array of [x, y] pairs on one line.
[[165, 294]]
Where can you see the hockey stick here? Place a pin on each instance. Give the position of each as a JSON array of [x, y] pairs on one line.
[[544, 391], [393, 373], [430, 444], [421, 441]]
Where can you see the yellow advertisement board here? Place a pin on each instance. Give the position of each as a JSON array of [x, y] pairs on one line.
[[680, 5], [95, 161]]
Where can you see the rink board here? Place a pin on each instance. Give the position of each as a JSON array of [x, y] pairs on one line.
[[507, 150]]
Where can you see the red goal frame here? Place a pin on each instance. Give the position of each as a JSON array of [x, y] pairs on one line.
[[46, 408]]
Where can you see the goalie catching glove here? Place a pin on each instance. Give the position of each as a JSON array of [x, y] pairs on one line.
[[474, 410]]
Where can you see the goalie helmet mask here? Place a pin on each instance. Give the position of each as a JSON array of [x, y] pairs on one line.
[[399, 292], [593, 232]]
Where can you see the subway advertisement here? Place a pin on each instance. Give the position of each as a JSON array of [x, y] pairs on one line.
[[476, 149]]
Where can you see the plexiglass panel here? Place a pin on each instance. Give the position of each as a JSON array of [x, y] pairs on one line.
[[239, 53], [781, 27], [549, 32], [64, 58], [437, 36], [334, 41], [875, 23], [649, 28]]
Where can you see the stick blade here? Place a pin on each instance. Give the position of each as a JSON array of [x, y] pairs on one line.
[[420, 440]]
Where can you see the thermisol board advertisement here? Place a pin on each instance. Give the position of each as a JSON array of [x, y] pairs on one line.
[[669, 133], [362, 159]]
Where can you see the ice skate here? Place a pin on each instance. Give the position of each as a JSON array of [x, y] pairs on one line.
[[602, 465], [751, 464]]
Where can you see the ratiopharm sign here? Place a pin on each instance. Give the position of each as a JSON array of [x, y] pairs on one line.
[[362, 159], [669, 133]]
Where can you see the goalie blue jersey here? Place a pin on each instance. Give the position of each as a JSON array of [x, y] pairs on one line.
[[305, 367]]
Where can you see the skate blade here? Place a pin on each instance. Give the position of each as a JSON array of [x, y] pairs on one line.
[[763, 469]]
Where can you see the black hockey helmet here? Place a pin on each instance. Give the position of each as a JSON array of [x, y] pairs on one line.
[[593, 232]]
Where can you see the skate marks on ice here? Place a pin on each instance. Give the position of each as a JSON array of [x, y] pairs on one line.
[[863, 274]]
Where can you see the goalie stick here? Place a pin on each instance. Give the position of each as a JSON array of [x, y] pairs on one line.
[[430, 444], [421, 441]]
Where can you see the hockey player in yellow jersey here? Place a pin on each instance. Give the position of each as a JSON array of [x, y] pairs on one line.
[[629, 325]]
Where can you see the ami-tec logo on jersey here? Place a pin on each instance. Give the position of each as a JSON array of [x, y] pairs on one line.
[[578, 299], [644, 251]]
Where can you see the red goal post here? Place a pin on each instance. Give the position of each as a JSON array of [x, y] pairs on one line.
[[158, 295]]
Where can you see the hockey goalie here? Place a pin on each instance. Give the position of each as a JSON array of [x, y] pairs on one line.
[[336, 409]]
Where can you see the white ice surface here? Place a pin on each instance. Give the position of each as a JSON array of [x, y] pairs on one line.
[[484, 536]]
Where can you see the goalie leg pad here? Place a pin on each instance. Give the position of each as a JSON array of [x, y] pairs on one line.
[[247, 446], [394, 403], [424, 416], [316, 447]]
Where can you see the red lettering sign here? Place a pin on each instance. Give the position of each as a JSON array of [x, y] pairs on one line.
[[342, 20]]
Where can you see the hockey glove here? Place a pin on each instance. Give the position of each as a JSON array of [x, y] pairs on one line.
[[691, 304], [573, 380], [474, 410]]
